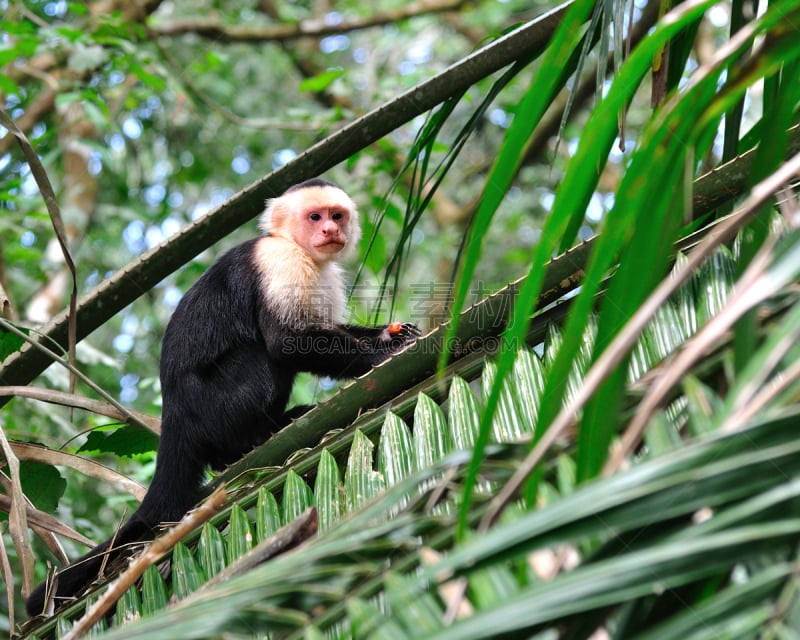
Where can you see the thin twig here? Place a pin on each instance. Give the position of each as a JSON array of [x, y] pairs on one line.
[[151, 554], [17, 520], [74, 401], [765, 395], [49, 196], [217, 31], [89, 468], [52, 356], [44, 520]]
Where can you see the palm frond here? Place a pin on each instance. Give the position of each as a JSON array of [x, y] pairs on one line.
[[691, 515], [398, 496]]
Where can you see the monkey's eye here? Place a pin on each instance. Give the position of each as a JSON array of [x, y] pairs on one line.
[[338, 215], [315, 216]]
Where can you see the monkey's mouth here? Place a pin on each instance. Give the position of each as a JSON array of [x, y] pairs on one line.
[[330, 244]]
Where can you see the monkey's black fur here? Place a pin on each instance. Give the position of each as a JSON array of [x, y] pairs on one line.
[[227, 368]]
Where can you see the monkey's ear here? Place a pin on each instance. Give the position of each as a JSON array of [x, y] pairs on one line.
[[354, 235], [269, 220]]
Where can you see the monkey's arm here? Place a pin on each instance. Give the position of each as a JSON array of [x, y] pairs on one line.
[[339, 351]]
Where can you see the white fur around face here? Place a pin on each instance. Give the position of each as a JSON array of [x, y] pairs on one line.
[[299, 291]]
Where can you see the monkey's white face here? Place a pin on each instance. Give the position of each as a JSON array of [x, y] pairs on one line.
[[321, 220], [322, 231]]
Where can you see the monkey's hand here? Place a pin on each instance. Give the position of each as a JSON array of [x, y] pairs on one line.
[[378, 343], [398, 334]]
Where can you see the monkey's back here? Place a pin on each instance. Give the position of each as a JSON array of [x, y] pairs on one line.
[[222, 392]]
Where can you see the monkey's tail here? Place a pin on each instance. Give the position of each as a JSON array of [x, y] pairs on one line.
[[72, 579], [175, 489]]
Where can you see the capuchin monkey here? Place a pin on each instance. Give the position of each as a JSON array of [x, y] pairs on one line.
[[266, 310]]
